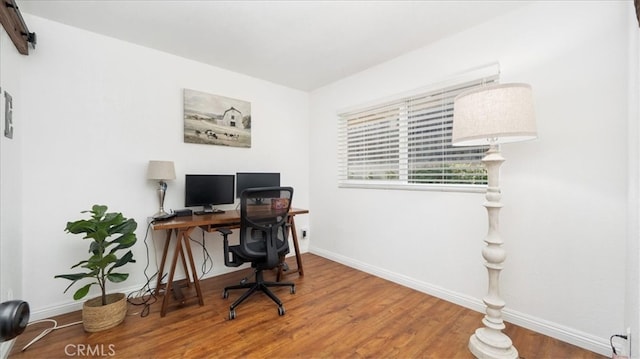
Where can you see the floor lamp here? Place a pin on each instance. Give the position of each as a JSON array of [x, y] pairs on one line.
[[161, 171], [493, 115]]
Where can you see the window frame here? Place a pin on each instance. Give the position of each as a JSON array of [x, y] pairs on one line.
[[379, 118]]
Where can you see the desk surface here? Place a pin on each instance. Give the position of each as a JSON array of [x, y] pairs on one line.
[[229, 217]]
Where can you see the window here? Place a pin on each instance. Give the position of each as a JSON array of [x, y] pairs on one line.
[[406, 142]]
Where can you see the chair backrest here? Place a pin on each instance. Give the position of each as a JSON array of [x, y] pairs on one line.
[[264, 228]]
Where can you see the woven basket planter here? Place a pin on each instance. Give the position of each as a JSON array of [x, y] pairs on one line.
[[97, 317]]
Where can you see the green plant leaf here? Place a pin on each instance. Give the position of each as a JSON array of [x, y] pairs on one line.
[[74, 276], [128, 226], [117, 277], [96, 248], [94, 272], [93, 262], [97, 261], [69, 286], [111, 221], [98, 211], [76, 265], [99, 234], [128, 257], [81, 226], [124, 241], [82, 292]]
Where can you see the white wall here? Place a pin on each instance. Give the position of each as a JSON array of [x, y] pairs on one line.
[[10, 180], [10, 175], [565, 195], [632, 311], [94, 111]]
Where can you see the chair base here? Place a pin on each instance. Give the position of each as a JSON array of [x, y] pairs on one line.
[[259, 285]]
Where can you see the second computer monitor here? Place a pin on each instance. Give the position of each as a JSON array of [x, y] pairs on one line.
[[246, 180]]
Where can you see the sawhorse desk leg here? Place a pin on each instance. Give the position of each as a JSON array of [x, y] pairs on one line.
[[165, 251], [296, 246], [182, 243]]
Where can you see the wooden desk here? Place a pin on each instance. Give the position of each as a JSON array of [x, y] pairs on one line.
[[182, 228]]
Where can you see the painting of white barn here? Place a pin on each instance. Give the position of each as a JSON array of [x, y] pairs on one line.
[[216, 120], [231, 116]]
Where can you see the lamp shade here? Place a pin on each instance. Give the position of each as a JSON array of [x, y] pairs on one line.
[[161, 170], [494, 114]]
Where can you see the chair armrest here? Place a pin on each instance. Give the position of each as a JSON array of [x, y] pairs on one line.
[[230, 258]]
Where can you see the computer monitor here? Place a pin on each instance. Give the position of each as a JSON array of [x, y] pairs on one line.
[[256, 179], [208, 191]]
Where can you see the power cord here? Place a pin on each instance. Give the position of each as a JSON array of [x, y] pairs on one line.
[[146, 293], [48, 330], [207, 258], [611, 341], [207, 264]]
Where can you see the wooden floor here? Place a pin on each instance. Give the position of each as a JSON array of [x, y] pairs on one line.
[[336, 312]]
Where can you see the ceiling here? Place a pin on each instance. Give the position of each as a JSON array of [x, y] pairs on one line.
[[299, 44]]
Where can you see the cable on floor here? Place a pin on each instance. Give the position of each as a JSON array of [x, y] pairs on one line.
[[48, 330], [146, 293]]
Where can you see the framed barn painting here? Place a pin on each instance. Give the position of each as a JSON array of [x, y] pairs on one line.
[[216, 120]]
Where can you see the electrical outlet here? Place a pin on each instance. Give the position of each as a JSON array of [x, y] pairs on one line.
[[305, 233]]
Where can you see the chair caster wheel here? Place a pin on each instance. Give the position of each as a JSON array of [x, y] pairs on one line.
[[225, 294], [293, 289], [281, 311], [232, 314]]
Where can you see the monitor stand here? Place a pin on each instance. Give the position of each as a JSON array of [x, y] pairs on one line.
[[209, 209]]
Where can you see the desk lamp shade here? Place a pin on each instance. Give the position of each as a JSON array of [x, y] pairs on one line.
[[493, 115], [161, 171]]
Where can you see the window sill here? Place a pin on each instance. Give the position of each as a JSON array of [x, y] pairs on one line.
[[415, 186]]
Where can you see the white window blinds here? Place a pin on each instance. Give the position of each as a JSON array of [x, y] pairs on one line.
[[407, 141]]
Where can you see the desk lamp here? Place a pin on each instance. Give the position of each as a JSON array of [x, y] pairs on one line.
[[493, 115], [161, 171]]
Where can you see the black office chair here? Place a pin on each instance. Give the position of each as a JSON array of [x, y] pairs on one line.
[[264, 233]]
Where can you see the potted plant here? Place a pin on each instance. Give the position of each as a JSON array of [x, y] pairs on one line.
[[110, 233]]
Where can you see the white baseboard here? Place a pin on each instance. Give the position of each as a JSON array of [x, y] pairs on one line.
[[69, 307], [554, 330], [73, 306]]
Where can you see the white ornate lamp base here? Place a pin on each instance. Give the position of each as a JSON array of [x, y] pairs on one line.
[[485, 344], [489, 342]]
